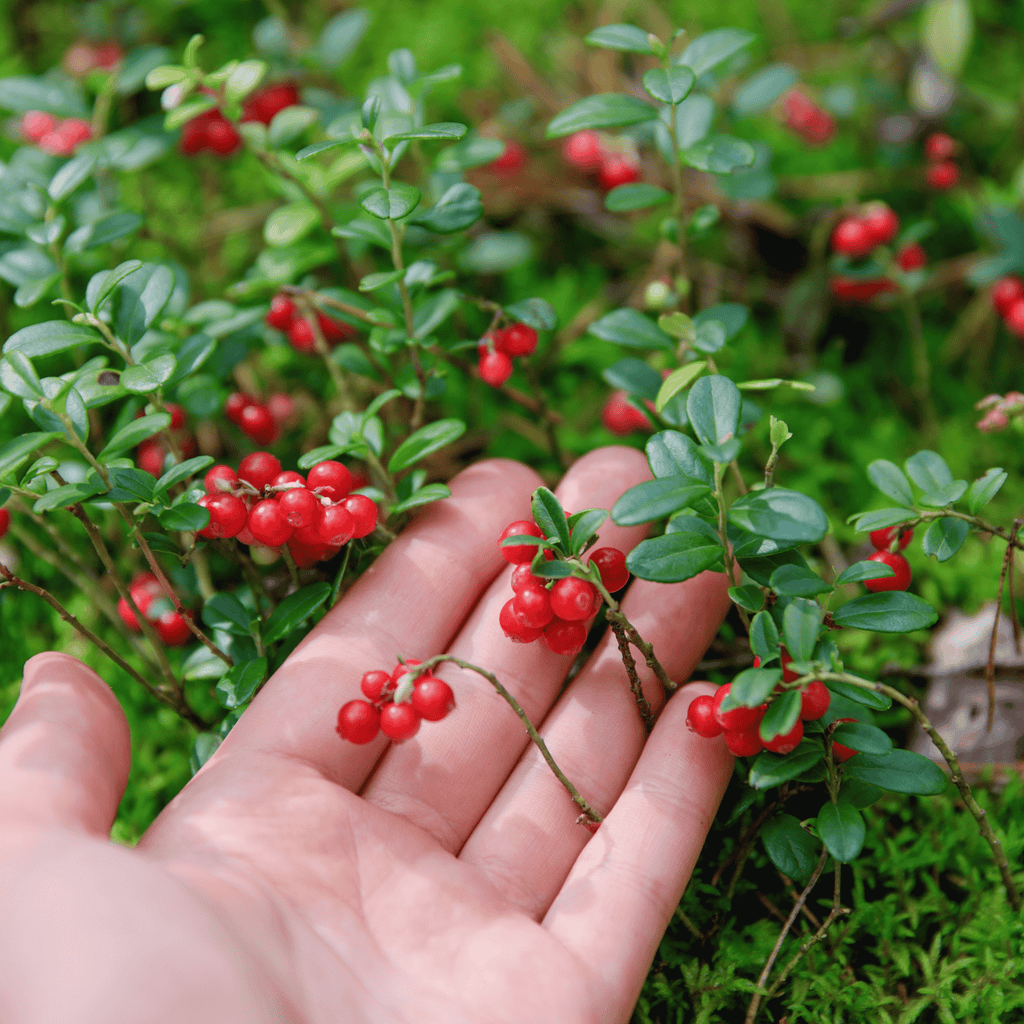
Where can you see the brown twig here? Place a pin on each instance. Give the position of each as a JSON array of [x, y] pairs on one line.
[[1014, 617], [642, 704], [990, 666]]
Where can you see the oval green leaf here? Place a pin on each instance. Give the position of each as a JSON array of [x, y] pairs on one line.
[[887, 612], [603, 110], [425, 441]]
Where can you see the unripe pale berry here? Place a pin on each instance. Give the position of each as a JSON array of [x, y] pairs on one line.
[[881, 539], [358, 721], [562, 637], [268, 524], [700, 718], [899, 565], [611, 564], [815, 700], [259, 469], [399, 722], [517, 553], [363, 512], [532, 605], [331, 479], [403, 667], [573, 599], [785, 744], [432, 698], [514, 629], [227, 515], [495, 368]]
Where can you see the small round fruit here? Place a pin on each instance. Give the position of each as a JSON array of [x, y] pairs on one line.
[[300, 336], [281, 407], [611, 563], [299, 506], [938, 147], [258, 424], [1006, 293], [621, 418], [700, 718], [336, 525], [519, 340], [787, 743], [616, 170], [1014, 319], [5, 521], [495, 368], [305, 555], [268, 524], [564, 637], [193, 137], [358, 721], [881, 539], [172, 629], [432, 698], [583, 150], [333, 330], [150, 457], [840, 752], [881, 222], [899, 565], [404, 666], [852, 237], [235, 404], [331, 479], [513, 628], [310, 533], [399, 722], [37, 123], [288, 476], [743, 743], [737, 719], [532, 605], [221, 137], [363, 511], [513, 157], [522, 576], [259, 469], [228, 515], [573, 599], [815, 699], [785, 658], [942, 176], [911, 257], [281, 313], [518, 553], [375, 683]]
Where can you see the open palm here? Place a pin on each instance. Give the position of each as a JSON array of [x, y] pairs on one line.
[[301, 878]]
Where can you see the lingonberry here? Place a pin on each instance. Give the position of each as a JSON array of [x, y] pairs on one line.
[[616, 170], [172, 628], [942, 176], [583, 150], [799, 110], [235, 405], [264, 105], [259, 469], [532, 605], [333, 330], [358, 721], [281, 313], [899, 565], [513, 628], [258, 424], [785, 658], [700, 718], [220, 479], [363, 511], [743, 742], [573, 599], [267, 523], [785, 744], [519, 340], [193, 137], [911, 257], [432, 698], [309, 532], [107, 56], [852, 237], [288, 476], [37, 123], [300, 336], [1006, 293], [1014, 319], [495, 368], [849, 289], [331, 479], [281, 407], [564, 637], [336, 525], [5, 521], [513, 157], [404, 666], [150, 457], [227, 515], [517, 553], [939, 146], [375, 684], [881, 222], [522, 576], [840, 752], [820, 128], [299, 506], [399, 722], [737, 719], [622, 418], [881, 539], [611, 564], [815, 699], [306, 555], [221, 136], [177, 415]]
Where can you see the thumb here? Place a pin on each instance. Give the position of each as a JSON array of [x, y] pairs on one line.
[[65, 750]]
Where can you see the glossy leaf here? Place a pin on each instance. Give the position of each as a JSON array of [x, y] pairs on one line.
[[627, 38], [239, 683], [713, 408], [16, 452], [750, 689], [669, 86], [884, 517], [842, 830], [450, 131], [750, 597], [944, 496], [780, 514], [550, 516], [720, 154], [459, 208], [781, 716], [145, 378], [707, 51], [859, 695], [801, 626], [584, 525], [764, 636], [424, 496], [602, 110], [945, 537], [49, 338], [294, 610], [887, 612], [796, 581], [134, 433], [630, 328], [985, 488], [899, 771], [536, 313], [770, 769], [860, 736], [677, 381], [860, 571], [183, 470], [634, 377], [71, 175], [891, 481], [670, 453], [694, 118], [634, 196], [860, 794], [185, 517], [928, 470], [763, 88], [391, 203], [673, 557], [425, 441], [790, 848], [655, 499]]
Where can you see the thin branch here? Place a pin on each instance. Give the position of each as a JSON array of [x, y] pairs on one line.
[[642, 704], [990, 666], [1014, 617]]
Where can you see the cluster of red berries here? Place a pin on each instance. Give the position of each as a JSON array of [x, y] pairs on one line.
[[151, 600], [59, 138], [882, 540], [213, 131], [151, 456], [314, 515], [803, 116], [1001, 409], [284, 316], [258, 420], [1008, 299], [588, 152], [497, 348], [942, 173], [431, 698], [82, 58]]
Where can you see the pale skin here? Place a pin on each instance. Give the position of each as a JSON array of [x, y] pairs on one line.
[[299, 878]]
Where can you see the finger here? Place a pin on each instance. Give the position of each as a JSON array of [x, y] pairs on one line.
[[410, 602], [65, 750], [626, 884], [527, 841], [446, 777]]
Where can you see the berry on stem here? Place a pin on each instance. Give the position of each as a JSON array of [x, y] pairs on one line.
[[532, 605], [220, 479], [358, 721], [172, 628], [519, 340], [281, 313], [495, 368], [853, 237], [787, 743], [942, 176], [518, 553], [432, 698], [743, 742], [911, 257], [938, 147], [815, 699], [259, 469], [300, 507], [227, 515], [881, 539], [611, 564], [899, 565], [257, 423], [573, 599], [620, 417], [399, 722], [267, 523], [513, 628], [737, 719], [234, 406], [363, 512], [331, 479], [336, 525], [5, 521], [564, 637], [881, 222], [375, 683], [300, 336], [616, 170], [583, 150], [700, 718], [522, 576], [1006, 293], [840, 752]]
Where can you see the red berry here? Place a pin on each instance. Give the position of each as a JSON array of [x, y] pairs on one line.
[[532, 605], [583, 150], [513, 628], [267, 523], [942, 176], [56, 144], [881, 539], [815, 699], [221, 136], [220, 479], [306, 555], [611, 564], [522, 577], [738, 719], [172, 629], [235, 405], [622, 418], [517, 553], [700, 718], [177, 415], [404, 666], [150, 457], [37, 123], [938, 147], [193, 136], [5, 521], [300, 507], [358, 721], [519, 340], [336, 525], [785, 659], [1006, 293], [848, 289], [899, 565], [363, 511], [564, 637], [331, 329], [374, 683], [258, 424], [259, 469], [282, 312], [107, 56], [852, 237], [1014, 319], [495, 368], [75, 130], [227, 515], [432, 698], [787, 743], [301, 337], [881, 222], [265, 105], [743, 742], [820, 128], [331, 479], [288, 476], [911, 257], [399, 722], [799, 110], [839, 752], [574, 600], [281, 407], [511, 160], [616, 170]]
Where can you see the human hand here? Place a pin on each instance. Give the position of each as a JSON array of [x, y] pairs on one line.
[[301, 878]]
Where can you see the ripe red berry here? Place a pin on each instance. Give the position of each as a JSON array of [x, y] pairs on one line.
[[37, 123], [288, 476], [911, 257], [616, 170], [519, 340], [358, 721], [336, 525], [107, 56], [259, 469], [532, 605], [193, 137], [404, 666], [331, 479], [517, 553], [220, 479], [281, 407], [622, 418], [611, 563], [848, 289], [942, 176], [787, 743], [785, 659], [815, 699], [364, 513], [939, 146], [299, 506], [333, 330], [281, 313], [743, 742], [399, 722], [881, 539], [234, 406], [432, 698], [300, 336], [5, 521], [840, 752], [737, 719], [177, 415], [564, 637], [798, 109], [151, 456], [172, 629], [495, 368], [583, 150], [267, 523], [881, 222], [511, 160], [258, 424], [143, 589], [227, 515], [574, 600], [899, 565], [700, 718], [852, 237], [221, 136], [1006, 293], [267, 103], [820, 128], [306, 555], [522, 577], [513, 628], [1014, 319], [375, 683]]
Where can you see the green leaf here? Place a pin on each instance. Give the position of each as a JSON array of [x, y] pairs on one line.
[[789, 847], [781, 515], [749, 597], [671, 86], [634, 196], [16, 452], [694, 117], [947, 28], [670, 453], [185, 517], [288, 124], [72, 174], [226, 612], [473, 151], [583, 525], [723, 453], [890, 480], [69, 494], [945, 537], [842, 830], [239, 683], [425, 441], [603, 110], [102, 284], [720, 154], [764, 636], [859, 794], [424, 496], [244, 79], [655, 499], [186, 111], [391, 203], [134, 433], [145, 378], [762, 89], [710, 49], [22, 93], [129, 484], [928, 470], [536, 313], [627, 38], [290, 223], [49, 338], [944, 496], [773, 769], [321, 454], [634, 377], [430, 313], [869, 521], [713, 408], [892, 611], [859, 695], [673, 557], [18, 376], [676, 381], [985, 488], [774, 382], [372, 282], [899, 771], [709, 337], [319, 147], [448, 130], [859, 736], [796, 581], [781, 716], [630, 328], [460, 207], [183, 471], [860, 571], [679, 325], [294, 610], [340, 37], [550, 516], [750, 689], [553, 570], [801, 625]]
